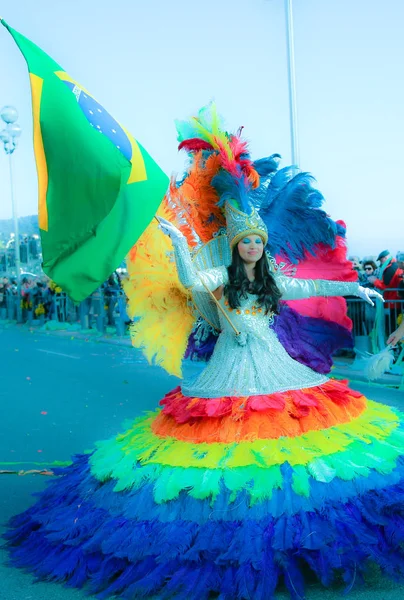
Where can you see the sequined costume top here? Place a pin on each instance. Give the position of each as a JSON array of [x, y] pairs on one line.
[[262, 365]]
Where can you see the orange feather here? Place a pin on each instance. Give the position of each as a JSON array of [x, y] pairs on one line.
[[198, 199]]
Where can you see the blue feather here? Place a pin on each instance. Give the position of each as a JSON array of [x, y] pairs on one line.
[[265, 167], [292, 213], [246, 582], [293, 578], [233, 189], [227, 585], [123, 543]]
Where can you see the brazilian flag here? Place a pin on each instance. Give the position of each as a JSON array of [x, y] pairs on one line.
[[98, 187]]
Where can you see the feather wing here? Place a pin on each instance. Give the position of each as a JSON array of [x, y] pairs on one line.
[[158, 300], [195, 200], [309, 245]]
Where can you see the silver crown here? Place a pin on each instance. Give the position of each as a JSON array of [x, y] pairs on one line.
[[240, 225]]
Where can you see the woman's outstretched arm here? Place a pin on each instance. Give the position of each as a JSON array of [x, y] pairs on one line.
[[188, 275], [296, 289]]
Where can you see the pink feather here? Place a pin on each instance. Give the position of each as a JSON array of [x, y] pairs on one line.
[[329, 264]]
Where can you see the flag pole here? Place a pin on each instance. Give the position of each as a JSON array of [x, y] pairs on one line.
[[294, 142]]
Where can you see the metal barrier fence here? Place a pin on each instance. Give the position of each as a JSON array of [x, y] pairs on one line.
[[98, 311], [371, 326]]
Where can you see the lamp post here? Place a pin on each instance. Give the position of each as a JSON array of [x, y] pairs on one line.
[[9, 136]]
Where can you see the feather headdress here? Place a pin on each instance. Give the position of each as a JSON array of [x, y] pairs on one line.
[[220, 173]]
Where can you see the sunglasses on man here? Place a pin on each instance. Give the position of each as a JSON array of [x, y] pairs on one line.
[[368, 268]]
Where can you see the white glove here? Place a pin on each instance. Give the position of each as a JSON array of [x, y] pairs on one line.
[[365, 294], [170, 229]]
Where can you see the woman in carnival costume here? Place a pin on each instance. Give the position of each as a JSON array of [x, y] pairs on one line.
[[261, 467]]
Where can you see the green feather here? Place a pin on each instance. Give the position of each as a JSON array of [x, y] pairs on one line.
[[300, 481], [321, 471]]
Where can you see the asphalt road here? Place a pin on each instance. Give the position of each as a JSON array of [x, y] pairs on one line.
[[58, 396]]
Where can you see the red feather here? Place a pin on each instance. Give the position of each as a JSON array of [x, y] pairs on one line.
[[194, 145]]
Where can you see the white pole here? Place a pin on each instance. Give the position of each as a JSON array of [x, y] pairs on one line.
[[16, 241], [294, 143]]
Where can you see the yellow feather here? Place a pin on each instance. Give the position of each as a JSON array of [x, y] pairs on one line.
[[158, 300]]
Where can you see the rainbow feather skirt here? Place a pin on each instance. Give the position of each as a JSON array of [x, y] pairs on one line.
[[226, 498]]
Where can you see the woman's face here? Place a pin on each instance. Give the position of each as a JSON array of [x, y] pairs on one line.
[[369, 270], [251, 248]]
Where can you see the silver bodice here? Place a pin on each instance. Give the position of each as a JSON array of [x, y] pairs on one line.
[[261, 366]]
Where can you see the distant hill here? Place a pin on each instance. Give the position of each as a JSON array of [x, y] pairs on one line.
[[27, 226]]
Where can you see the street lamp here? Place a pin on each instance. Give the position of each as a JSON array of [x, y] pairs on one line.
[[9, 136]]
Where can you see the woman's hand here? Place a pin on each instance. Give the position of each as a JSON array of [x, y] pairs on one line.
[[365, 294], [397, 335], [169, 229]]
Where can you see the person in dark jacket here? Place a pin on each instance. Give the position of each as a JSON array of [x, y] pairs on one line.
[[369, 269], [389, 279]]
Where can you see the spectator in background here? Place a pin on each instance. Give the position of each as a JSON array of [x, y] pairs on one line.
[[400, 260], [355, 262], [357, 266], [26, 297], [400, 264], [356, 311], [369, 312], [389, 275], [41, 296], [13, 286], [369, 269], [388, 280], [3, 297], [111, 289]]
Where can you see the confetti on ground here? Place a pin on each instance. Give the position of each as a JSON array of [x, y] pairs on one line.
[[44, 412], [28, 378], [39, 451]]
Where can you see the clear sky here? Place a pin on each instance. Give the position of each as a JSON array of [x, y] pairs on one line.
[[149, 62]]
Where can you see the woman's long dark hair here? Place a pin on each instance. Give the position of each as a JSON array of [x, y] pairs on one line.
[[264, 285]]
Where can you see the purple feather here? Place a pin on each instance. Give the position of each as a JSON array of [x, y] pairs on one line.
[[308, 340]]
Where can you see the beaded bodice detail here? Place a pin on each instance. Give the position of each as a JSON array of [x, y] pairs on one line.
[[261, 366], [249, 315]]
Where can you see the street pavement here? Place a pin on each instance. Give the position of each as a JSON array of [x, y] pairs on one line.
[[58, 396]]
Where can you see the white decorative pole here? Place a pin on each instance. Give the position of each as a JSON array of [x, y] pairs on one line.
[[9, 136], [294, 143]]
